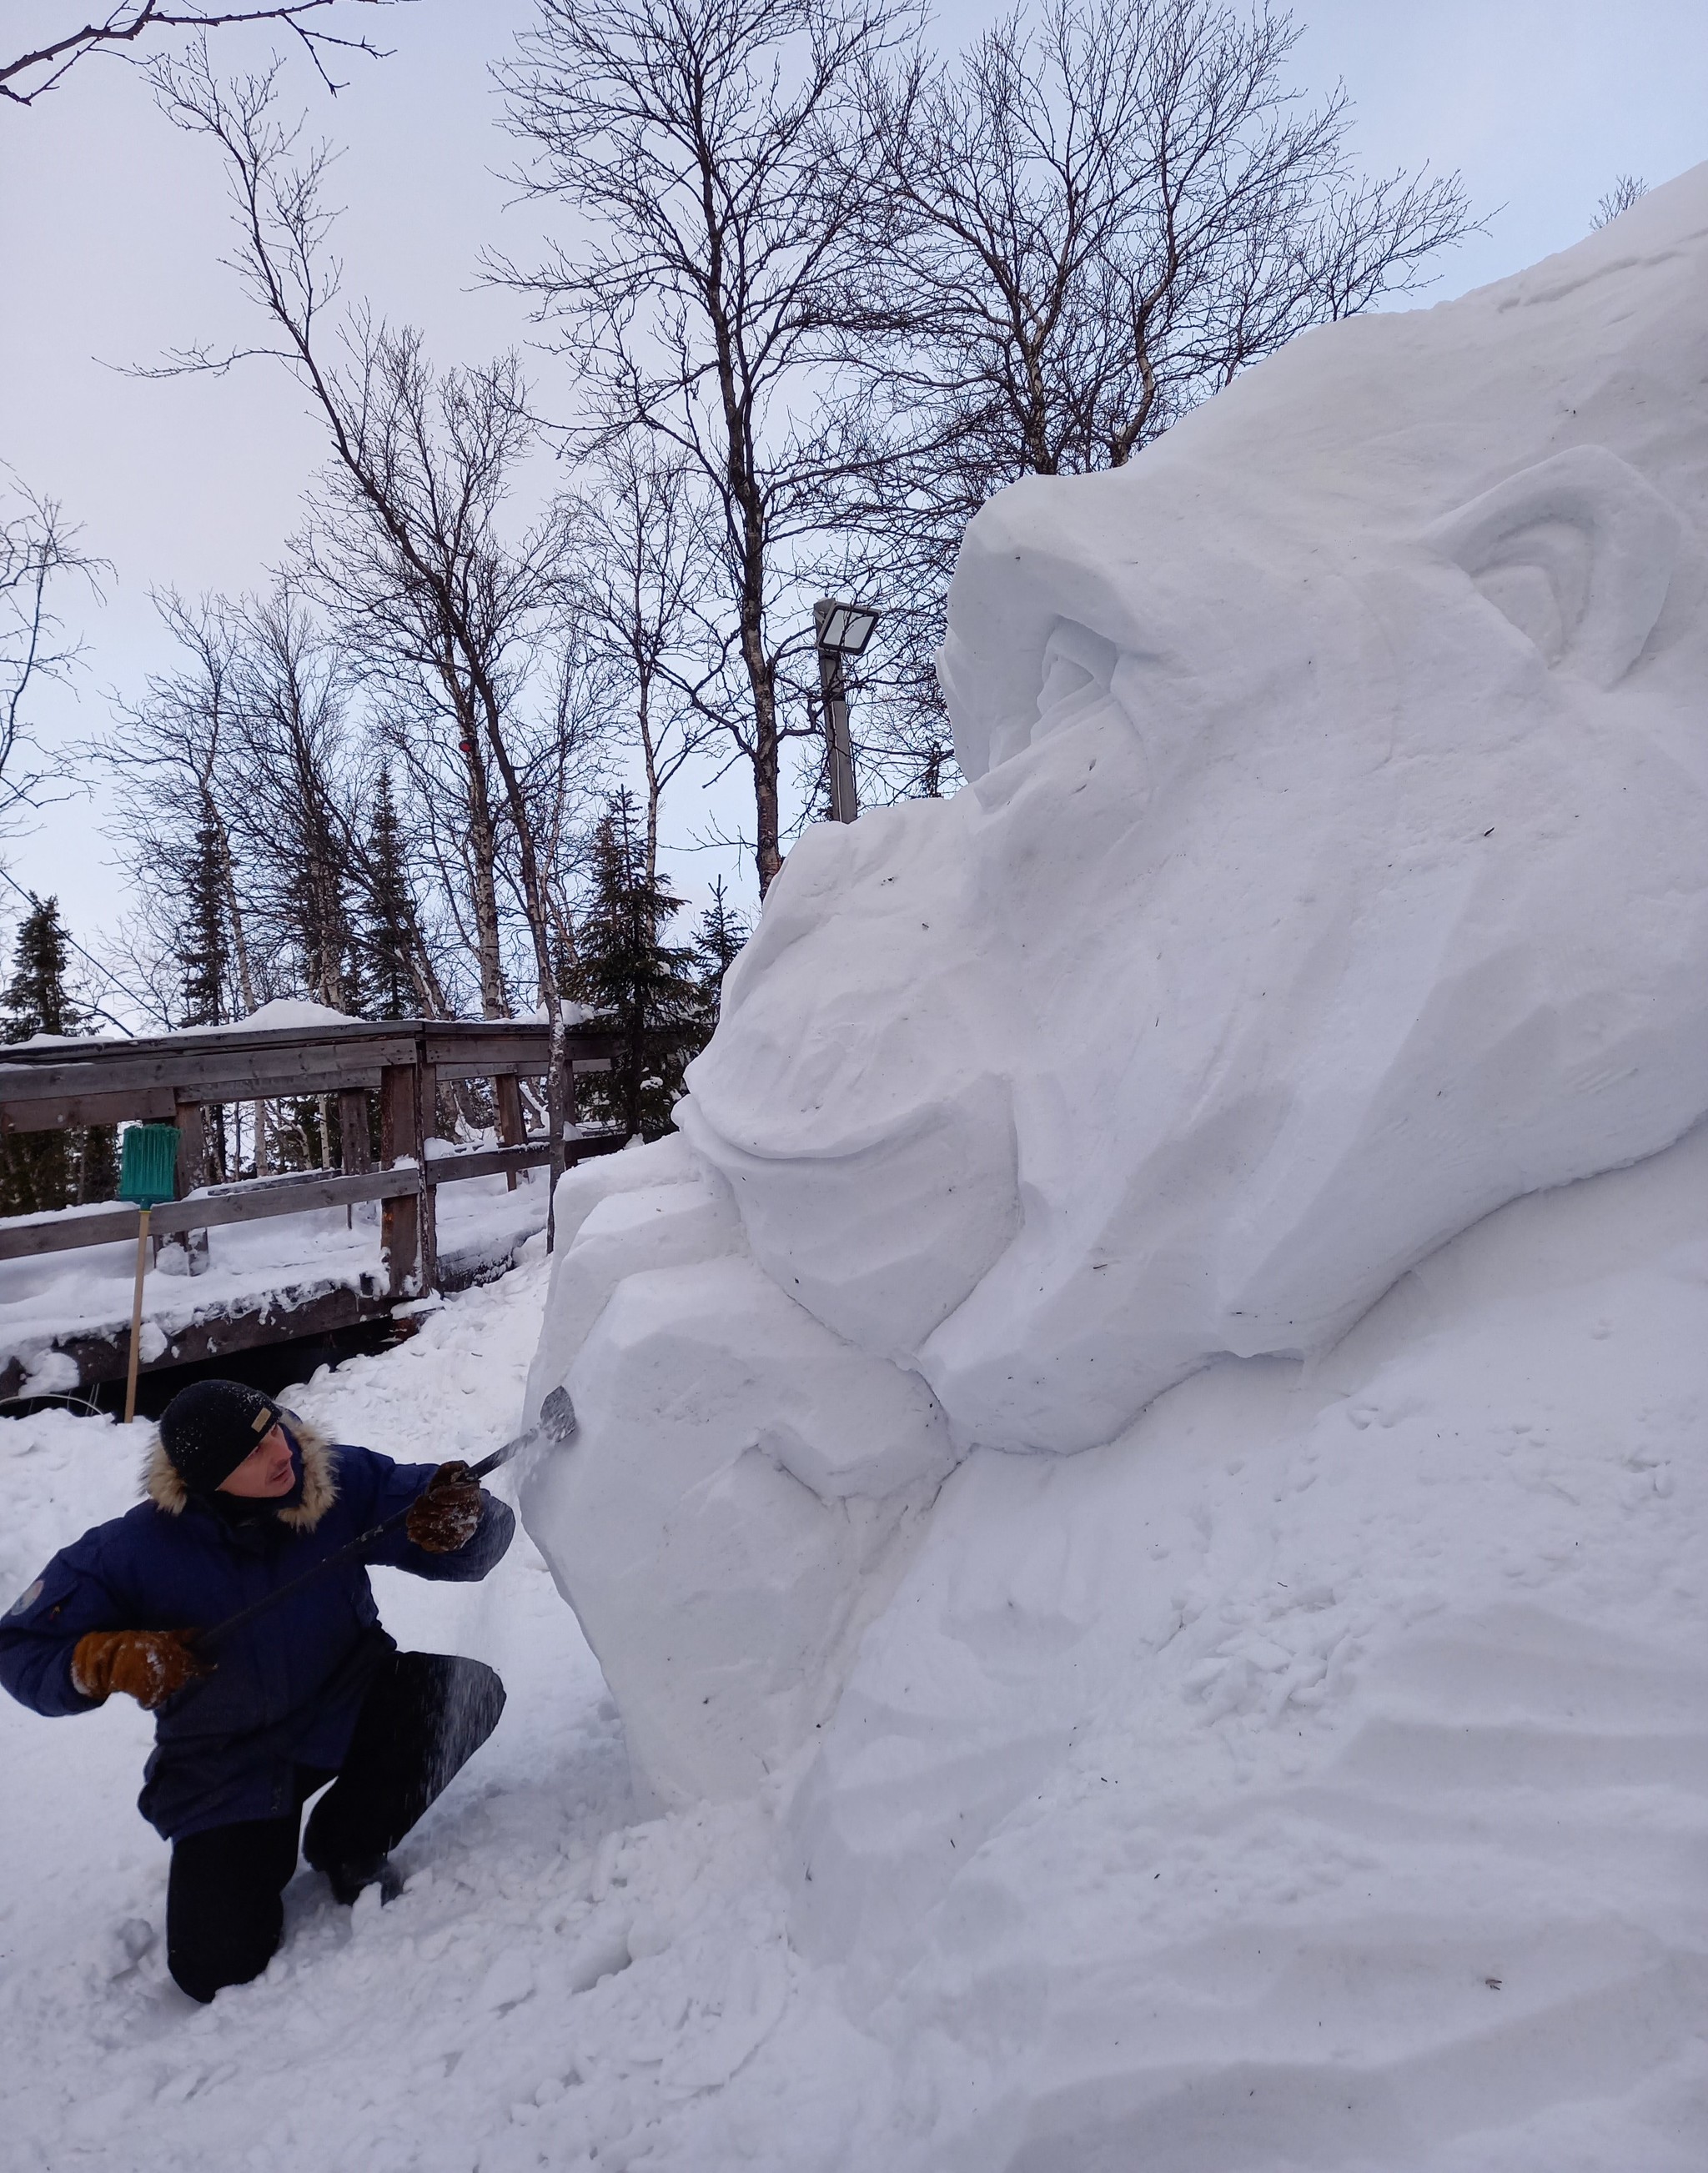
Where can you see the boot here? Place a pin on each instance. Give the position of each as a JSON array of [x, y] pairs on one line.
[[347, 1880]]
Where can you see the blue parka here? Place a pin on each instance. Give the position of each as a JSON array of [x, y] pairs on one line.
[[287, 1687]]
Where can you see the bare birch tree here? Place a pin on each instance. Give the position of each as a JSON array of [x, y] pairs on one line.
[[175, 760], [132, 25], [1092, 221], [406, 542], [693, 134], [1097, 222], [38, 549], [643, 596], [299, 840]]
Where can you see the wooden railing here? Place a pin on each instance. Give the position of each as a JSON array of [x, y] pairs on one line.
[[175, 1077]]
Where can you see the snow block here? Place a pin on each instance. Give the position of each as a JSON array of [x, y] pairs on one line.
[[1340, 1730], [653, 1210], [713, 1523]]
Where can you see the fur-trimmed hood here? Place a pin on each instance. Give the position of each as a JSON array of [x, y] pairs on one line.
[[162, 1485]]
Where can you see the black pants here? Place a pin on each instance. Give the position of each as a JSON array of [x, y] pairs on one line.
[[424, 1717]]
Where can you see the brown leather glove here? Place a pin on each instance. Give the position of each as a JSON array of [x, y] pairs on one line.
[[149, 1665], [448, 1516]]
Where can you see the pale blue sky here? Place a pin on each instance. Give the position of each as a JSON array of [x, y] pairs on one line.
[[112, 225]]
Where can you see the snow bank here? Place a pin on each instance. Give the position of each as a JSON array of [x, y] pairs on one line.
[[1317, 1777], [285, 1011], [1309, 1776]]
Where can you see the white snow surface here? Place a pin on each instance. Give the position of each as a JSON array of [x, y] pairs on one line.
[[556, 1980], [1331, 869], [1153, 1409], [284, 1011], [1316, 1778]]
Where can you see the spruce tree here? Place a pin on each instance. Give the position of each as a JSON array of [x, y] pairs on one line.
[[638, 987], [204, 950], [722, 932], [37, 1000], [389, 933], [38, 1170]]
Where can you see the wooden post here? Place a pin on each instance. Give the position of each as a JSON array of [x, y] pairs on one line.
[[191, 1171], [400, 1219], [427, 1102], [192, 1147], [512, 1132], [356, 1148]]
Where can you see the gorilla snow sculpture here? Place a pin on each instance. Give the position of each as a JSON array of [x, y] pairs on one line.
[[1330, 870]]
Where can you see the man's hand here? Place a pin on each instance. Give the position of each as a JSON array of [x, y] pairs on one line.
[[149, 1665], [448, 1516]]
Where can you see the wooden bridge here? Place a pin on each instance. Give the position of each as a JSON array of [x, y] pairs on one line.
[[176, 1078]]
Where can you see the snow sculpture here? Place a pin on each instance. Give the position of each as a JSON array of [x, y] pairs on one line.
[[1330, 871]]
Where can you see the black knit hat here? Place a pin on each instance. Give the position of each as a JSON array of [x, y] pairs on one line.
[[209, 1428]]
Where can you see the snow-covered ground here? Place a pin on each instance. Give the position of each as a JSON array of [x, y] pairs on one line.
[[554, 1981], [1317, 1777]]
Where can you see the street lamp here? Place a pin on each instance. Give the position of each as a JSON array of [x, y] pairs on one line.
[[841, 630]]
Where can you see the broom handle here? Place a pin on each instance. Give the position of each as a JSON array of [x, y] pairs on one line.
[[136, 1317]]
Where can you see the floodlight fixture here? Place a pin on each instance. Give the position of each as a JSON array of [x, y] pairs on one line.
[[846, 628], [841, 631]]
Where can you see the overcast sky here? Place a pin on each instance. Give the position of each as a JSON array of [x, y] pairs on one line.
[[113, 226]]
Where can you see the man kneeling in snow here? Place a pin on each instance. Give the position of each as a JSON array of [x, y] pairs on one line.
[[242, 1498]]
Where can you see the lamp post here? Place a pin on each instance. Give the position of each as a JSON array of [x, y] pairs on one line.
[[842, 630]]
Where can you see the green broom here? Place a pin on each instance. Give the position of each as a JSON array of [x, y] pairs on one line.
[[147, 1176]]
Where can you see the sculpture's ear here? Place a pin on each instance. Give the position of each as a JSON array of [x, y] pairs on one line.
[[1578, 553]]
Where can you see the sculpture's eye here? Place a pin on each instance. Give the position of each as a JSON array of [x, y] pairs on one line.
[[1077, 670]]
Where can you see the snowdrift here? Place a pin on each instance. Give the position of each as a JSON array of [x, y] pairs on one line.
[[1122, 1411]]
